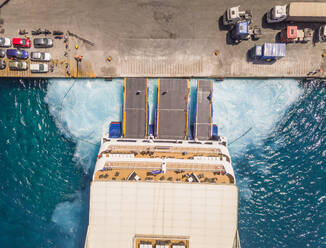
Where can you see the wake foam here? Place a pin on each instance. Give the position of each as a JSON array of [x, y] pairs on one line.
[[83, 112], [252, 106], [247, 112], [67, 215]]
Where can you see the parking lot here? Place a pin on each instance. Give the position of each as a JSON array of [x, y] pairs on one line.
[[154, 38]]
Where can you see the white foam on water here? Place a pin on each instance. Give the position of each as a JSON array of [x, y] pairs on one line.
[[252, 105], [244, 188], [67, 216], [246, 112], [192, 98], [152, 98], [84, 110]]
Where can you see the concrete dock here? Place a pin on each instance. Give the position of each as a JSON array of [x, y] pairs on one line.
[[153, 38]]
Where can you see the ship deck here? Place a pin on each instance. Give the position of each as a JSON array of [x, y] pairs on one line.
[[176, 172], [203, 125], [172, 114], [184, 163], [135, 108], [167, 152]]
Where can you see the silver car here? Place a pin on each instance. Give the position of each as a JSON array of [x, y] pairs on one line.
[[43, 42], [40, 56], [18, 65], [2, 64], [5, 42], [2, 53]]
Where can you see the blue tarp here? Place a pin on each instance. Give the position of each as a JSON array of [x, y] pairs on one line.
[[115, 130], [274, 50], [155, 172], [215, 132], [242, 28], [150, 130]]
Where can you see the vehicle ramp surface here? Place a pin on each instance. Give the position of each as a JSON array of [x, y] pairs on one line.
[[172, 115], [203, 124], [135, 108]]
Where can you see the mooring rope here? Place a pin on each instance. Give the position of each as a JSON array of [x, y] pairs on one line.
[[242, 135], [60, 116]]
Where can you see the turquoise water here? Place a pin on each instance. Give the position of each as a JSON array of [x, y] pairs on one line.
[[49, 144]]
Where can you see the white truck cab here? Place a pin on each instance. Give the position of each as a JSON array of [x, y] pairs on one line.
[[232, 15], [277, 14]]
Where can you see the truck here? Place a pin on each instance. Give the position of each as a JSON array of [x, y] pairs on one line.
[[232, 15], [240, 31], [244, 30], [298, 12], [268, 52], [292, 34]]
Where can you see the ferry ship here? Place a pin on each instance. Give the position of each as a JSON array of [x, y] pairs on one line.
[[169, 184]]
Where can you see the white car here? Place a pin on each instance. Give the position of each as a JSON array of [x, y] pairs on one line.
[[39, 68], [5, 42], [40, 56]]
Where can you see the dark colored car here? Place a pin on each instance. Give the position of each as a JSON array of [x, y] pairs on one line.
[[17, 54], [2, 53], [2, 64], [43, 42]]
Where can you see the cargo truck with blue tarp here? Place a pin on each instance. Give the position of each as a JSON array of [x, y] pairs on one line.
[[240, 31], [268, 51], [244, 30]]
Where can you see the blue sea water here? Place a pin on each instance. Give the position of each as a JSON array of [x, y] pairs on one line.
[[50, 133]]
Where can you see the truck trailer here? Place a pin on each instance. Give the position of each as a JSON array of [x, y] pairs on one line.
[[268, 52], [298, 12]]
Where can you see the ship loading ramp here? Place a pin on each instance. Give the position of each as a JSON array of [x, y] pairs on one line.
[[172, 114], [135, 116], [203, 123]]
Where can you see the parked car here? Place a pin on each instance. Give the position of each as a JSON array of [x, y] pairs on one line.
[[18, 65], [40, 56], [17, 54], [21, 42], [5, 42], [2, 64], [2, 53], [43, 42], [39, 68], [322, 33]]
